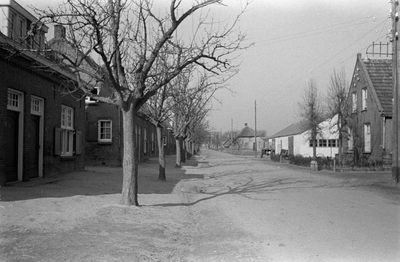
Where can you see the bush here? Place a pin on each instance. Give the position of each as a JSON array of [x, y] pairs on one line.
[[299, 160]]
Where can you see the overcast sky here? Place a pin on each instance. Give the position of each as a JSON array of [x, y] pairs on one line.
[[294, 41]]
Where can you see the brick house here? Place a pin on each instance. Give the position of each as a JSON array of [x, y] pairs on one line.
[[43, 126], [370, 104], [104, 143], [104, 132]]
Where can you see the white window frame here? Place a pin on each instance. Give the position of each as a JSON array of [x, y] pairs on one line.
[[354, 102], [67, 133], [364, 96], [102, 135], [14, 100], [367, 138]]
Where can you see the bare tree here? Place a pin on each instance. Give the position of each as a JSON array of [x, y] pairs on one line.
[[312, 113], [337, 104], [191, 95], [134, 42]]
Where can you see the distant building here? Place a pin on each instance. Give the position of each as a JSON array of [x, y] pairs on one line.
[[246, 139], [295, 140]]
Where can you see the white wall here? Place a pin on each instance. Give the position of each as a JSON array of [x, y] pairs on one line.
[[301, 144]]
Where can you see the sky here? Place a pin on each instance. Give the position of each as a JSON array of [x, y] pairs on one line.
[[294, 41]]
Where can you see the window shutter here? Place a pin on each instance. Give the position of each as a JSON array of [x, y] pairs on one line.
[[78, 142], [92, 131], [57, 141]]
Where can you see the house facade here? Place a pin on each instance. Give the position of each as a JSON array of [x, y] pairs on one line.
[[295, 140], [104, 134], [44, 124], [370, 111]]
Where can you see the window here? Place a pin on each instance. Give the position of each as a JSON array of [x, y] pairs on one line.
[[322, 142], [315, 141], [354, 101], [105, 131], [36, 107], [21, 27], [13, 100], [153, 142], [333, 143], [364, 95], [367, 138], [67, 131], [350, 140], [145, 140], [12, 25]]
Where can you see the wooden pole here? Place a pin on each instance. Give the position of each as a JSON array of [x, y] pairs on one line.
[[396, 94], [255, 128]]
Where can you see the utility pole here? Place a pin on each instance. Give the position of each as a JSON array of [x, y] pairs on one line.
[[396, 93], [255, 128]]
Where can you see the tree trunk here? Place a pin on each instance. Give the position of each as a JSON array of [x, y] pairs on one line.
[[183, 144], [129, 194], [161, 154], [314, 138], [178, 162]]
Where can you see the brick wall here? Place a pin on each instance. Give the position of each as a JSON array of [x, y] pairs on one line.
[[19, 74]]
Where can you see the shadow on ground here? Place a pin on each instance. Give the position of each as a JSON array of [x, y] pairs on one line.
[[98, 180]]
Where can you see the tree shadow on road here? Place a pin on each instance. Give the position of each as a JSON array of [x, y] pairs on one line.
[[248, 189]]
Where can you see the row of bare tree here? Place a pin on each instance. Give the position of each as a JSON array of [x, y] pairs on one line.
[[147, 64], [315, 108]]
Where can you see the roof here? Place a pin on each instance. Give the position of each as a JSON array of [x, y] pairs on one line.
[[380, 74], [246, 132], [293, 129]]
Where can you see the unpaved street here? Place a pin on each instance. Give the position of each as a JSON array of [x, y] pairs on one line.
[[260, 211], [228, 208]]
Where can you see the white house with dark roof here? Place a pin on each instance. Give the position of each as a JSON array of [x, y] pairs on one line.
[[295, 140]]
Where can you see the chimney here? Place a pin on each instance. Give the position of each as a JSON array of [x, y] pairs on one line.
[[59, 32]]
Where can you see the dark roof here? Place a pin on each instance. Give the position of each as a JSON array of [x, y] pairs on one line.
[[293, 129], [380, 73], [246, 132]]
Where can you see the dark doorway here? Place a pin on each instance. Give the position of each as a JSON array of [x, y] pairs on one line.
[[12, 130], [291, 151], [34, 147]]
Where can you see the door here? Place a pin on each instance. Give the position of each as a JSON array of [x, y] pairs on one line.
[[291, 151], [12, 146], [34, 147]]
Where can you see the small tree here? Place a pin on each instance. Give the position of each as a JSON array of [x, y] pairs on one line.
[[337, 104], [312, 114], [134, 42]]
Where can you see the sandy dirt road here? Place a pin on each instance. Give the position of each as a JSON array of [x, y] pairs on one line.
[[268, 212], [231, 208]]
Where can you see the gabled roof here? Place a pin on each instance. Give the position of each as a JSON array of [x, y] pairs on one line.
[[246, 132], [293, 129], [380, 74]]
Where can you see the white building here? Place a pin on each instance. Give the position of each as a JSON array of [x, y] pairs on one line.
[[295, 140]]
